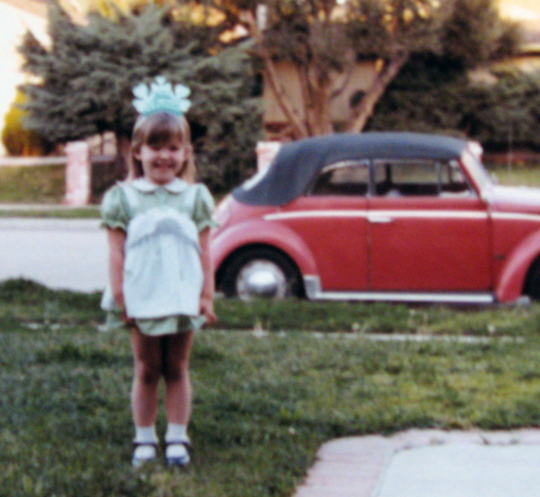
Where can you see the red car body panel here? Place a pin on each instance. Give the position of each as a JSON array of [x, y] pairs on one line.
[[429, 244], [335, 232], [512, 276], [483, 241], [257, 231]]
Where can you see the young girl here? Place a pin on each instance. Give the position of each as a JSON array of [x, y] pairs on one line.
[[150, 290]]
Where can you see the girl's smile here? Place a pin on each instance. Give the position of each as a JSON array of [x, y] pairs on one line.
[[161, 163]]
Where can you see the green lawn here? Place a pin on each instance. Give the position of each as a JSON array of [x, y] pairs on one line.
[[38, 184], [517, 175], [264, 400], [51, 211]]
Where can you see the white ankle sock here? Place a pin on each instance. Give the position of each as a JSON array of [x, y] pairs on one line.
[[176, 433], [145, 435]]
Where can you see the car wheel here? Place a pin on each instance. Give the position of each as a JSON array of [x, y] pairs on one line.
[[261, 272]]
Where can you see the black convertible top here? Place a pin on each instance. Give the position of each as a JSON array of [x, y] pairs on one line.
[[296, 164]]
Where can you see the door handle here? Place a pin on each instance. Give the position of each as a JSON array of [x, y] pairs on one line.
[[380, 219]]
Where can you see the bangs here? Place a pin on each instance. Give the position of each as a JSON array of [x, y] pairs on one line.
[[159, 129]]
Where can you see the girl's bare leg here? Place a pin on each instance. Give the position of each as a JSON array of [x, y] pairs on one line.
[[176, 350], [148, 369]]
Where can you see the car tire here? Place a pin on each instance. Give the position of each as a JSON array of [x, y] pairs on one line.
[[261, 272], [532, 285]]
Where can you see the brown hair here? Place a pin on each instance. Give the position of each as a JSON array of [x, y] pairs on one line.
[[157, 130]]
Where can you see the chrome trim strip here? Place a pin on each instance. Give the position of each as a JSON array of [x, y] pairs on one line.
[[521, 216], [304, 214], [447, 298], [438, 214], [431, 213], [312, 286]]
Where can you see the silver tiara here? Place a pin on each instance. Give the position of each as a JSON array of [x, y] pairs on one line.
[[161, 97]]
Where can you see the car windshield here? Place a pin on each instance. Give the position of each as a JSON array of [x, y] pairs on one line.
[[476, 169]]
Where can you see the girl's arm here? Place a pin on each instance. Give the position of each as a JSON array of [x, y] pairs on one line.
[[117, 239], [207, 295]]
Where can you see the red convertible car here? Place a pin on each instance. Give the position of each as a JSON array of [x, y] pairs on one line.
[[379, 216]]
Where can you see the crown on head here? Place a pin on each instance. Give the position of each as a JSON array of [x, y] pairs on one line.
[[161, 97]]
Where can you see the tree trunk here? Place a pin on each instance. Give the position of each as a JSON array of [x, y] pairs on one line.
[[318, 113], [296, 125], [315, 100], [365, 108]]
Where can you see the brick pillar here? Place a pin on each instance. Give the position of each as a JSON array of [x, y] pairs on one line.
[[77, 174], [266, 151]]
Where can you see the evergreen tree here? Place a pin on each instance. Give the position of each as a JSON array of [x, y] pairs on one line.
[[87, 74], [225, 117]]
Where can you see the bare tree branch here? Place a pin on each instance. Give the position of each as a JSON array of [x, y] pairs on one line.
[[291, 113], [365, 108]]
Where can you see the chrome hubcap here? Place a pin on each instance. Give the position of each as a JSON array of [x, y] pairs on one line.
[[261, 278]]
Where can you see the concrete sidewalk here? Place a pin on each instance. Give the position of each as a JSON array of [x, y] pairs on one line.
[[428, 463]]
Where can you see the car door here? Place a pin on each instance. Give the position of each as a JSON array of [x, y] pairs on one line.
[[428, 229], [332, 220]]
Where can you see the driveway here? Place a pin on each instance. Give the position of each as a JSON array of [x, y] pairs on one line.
[[59, 253]]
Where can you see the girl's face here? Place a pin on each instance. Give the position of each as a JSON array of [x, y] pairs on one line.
[[162, 162]]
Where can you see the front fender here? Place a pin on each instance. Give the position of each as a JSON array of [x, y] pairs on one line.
[[261, 232], [511, 280]]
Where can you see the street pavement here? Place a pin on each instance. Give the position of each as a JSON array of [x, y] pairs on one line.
[[72, 254], [59, 253]]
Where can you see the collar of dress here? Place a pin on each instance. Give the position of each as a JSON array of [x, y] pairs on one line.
[[175, 186]]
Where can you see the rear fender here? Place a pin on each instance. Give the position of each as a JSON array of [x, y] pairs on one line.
[[260, 232], [512, 278]]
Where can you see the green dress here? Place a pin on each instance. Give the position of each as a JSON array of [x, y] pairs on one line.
[[115, 213]]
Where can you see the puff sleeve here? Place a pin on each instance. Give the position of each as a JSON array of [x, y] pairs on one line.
[[113, 209], [204, 208]]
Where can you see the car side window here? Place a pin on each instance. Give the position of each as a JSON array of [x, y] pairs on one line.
[[343, 178], [419, 178], [453, 180]]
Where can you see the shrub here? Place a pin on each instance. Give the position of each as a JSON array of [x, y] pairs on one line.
[[18, 140]]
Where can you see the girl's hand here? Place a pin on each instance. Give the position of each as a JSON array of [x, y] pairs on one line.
[[207, 310], [127, 320], [119, 300]]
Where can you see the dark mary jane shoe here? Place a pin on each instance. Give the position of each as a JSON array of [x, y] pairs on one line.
[[179, 457]]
